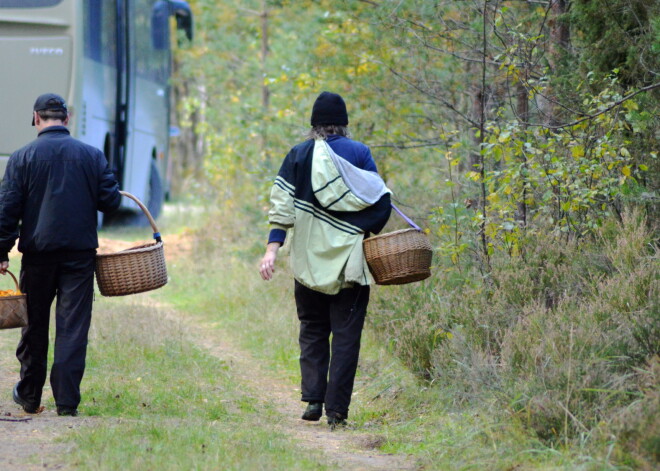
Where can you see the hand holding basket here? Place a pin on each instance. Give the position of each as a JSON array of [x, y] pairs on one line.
[[13, 309], [135, 270]]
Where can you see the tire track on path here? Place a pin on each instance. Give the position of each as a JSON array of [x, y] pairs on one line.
[[35, 445], [346, 448]]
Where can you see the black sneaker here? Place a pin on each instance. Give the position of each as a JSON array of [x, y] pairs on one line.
[[313, 412], [67, 411], [335, 419], [27, 407]]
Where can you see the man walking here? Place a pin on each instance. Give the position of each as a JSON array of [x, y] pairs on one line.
[[53, 188], [328, 190]]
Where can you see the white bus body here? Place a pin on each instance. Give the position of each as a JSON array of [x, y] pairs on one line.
[[110, 59]]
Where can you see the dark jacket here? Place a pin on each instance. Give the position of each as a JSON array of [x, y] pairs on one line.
[[54, 187]]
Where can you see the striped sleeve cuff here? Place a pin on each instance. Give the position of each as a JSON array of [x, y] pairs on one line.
[[277, 235]]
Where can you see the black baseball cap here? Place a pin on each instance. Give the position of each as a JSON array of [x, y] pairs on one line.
[[49, 101]]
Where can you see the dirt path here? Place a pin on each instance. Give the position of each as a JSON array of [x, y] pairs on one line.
[[30, 442], [346, 448]]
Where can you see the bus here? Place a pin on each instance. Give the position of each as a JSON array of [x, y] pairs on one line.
[[111, 61]]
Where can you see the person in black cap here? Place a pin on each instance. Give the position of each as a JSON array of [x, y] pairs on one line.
[[327, 189], [49, 198]]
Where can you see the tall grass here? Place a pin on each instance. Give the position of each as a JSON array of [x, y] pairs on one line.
[[565, 340], [520, 371]]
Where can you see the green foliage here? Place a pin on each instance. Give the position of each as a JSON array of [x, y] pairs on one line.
[[619, 34], [565, 340], [520, 134], [470, 410]]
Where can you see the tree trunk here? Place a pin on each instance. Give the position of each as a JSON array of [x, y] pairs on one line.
[[522, 109], [558, 45], [188, 149], [265, 92]]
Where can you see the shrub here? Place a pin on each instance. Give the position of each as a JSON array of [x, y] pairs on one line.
[[558, 338]]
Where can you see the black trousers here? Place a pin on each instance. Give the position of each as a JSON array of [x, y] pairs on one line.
[[72, 282], [328, 369]]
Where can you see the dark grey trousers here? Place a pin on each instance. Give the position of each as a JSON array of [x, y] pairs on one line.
[[328, 367], [72, 282]]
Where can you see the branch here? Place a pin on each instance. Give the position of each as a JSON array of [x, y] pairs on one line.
[[22, 419], [434, 96], [408, 146], [609, 108], [251, 12]]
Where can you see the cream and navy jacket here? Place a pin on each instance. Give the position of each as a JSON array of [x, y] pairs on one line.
[[328, 204]]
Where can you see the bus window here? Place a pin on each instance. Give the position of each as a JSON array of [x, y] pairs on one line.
[[28, 3], [101, 32], [151, 63]]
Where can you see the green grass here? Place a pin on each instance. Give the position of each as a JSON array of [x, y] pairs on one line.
[[158, 401], [163, 403], [474, 423], [401, 413]]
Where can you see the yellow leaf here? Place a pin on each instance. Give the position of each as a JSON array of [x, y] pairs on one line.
[[626, 170], [577, 151], [475, 176], [630, 105], [493, 197]]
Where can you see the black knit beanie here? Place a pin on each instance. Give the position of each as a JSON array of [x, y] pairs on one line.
[[329, 108]]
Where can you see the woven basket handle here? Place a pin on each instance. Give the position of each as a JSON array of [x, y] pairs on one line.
[[14, 278], [406, 218], [146, 213]]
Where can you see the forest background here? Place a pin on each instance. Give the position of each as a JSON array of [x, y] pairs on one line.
[[523, 135]]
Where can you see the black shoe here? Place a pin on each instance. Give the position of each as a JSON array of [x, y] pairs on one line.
[[27, 407], [313, 412], [335, 419], [68, 411]]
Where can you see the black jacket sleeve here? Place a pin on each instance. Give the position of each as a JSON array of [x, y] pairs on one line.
[[109, 196], [11, 206]]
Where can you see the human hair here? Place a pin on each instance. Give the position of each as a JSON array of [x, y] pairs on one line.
[[57, 115], [321, 131]]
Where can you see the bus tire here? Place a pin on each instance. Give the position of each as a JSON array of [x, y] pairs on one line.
[[154, 203], [156, 192]]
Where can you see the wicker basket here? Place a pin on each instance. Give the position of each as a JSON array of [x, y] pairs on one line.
[[13, 309], [135, 270], [399, 257]]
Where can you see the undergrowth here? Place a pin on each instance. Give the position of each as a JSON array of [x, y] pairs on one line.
[[548, 360], [565, 339]]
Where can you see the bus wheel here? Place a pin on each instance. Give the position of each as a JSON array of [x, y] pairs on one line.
[[156, 192]]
